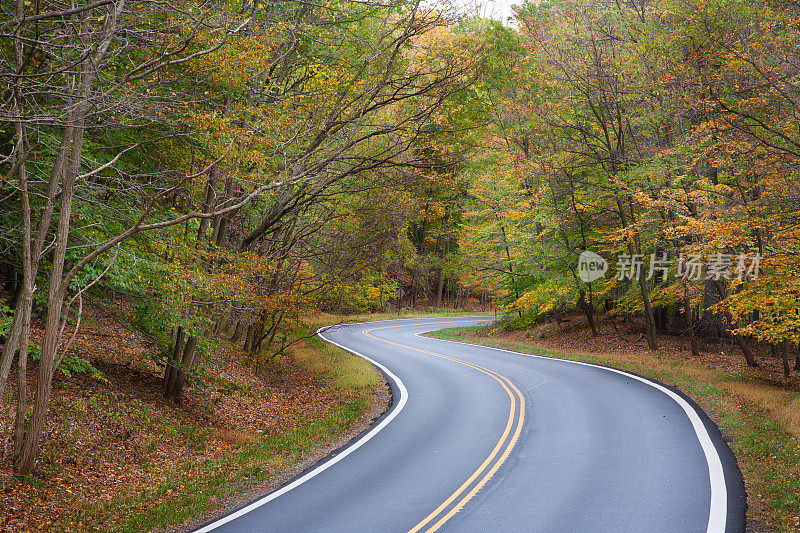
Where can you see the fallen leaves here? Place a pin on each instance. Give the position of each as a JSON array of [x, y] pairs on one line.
[[107, 440]]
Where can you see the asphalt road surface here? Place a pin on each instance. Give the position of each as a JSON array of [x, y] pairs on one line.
[[481, 439]]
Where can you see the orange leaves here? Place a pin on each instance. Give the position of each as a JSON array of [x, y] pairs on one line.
[[775, 296], [242, 281], [235, 65]]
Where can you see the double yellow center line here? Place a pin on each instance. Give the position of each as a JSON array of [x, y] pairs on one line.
[[502, 449]]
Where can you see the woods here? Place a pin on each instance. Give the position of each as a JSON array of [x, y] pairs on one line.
[[230, 168], [226, 163], [660, 135]]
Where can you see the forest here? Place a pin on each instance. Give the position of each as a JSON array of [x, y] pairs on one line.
[[230, 168]]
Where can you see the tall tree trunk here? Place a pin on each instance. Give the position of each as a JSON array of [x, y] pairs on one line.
[[25, 296], [508, 258], [20, 422], [184, 351], [248, 338], [442, 245], [587, 306], [650, 324], [652, 339], [439, 289], [258, 332], [68, 160], [237, 333], [712, 321], [55, 298]]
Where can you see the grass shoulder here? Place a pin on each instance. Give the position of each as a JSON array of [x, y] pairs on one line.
[[213, 485]]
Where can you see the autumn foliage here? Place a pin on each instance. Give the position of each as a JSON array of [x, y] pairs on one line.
[[229, 167], [663, 131], [232, 167]]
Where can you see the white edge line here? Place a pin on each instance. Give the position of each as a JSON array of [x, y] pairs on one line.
[[718, 511], [299, 481]]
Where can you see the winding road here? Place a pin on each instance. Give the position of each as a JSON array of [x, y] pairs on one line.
[[481, 439]]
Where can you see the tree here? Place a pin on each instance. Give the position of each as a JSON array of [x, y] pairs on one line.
[[137, 117]]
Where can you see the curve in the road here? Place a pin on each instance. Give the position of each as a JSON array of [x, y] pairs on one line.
[[442, 418], [515, 407], [718, 509], [394, 411]]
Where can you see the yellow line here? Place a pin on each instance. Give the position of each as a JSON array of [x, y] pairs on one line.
[[502, 380], [491, 472]]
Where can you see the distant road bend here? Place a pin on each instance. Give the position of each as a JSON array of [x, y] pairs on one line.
[[481, 439]]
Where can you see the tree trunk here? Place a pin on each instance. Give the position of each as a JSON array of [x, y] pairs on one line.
[[248, 337], [588, 310], [175, 388], [219, 326], [508, 258], [687, 310], [25, 297], [442, 247], [787, 371], [749, 356], [172, 363], [20, 422], [439, 289], [25, 308], [274, 329], [221, 221], [652, 338], [257, 332], [237, 333], [55, 298], [13, 338], [208, 203], [797, 357], [65, 169], [712, 322]]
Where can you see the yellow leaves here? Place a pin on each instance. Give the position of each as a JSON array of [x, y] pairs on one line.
[[775, 296], [244, 57], [545, 296], [241, 280], [511, 214]]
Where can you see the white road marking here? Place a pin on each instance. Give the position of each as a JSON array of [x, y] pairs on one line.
[[299, 481]]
